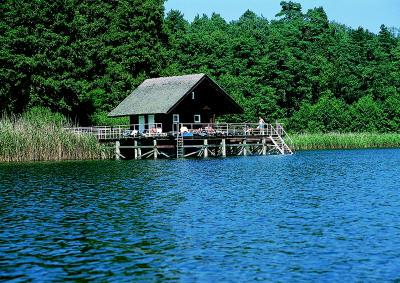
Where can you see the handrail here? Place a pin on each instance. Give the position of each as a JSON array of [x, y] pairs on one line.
[[120, 131], [224, 129], [200, 129], [286, 136]]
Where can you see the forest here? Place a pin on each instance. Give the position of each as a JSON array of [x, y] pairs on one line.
[[81, 58]]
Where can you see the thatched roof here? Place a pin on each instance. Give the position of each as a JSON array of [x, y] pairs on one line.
[[160, 95]]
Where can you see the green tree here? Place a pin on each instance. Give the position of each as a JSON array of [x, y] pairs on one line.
[[290, 11], [82, 58], [327, 115], [367, 115], [77, 57], [391, 108]]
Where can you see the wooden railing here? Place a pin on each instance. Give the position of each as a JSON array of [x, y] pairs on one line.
[[185, 129], [227, 129], [282, 133], [120, 131]]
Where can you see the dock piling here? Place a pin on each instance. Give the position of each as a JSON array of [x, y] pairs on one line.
[[135, 144], [117, 150], [205, 148], [155, 149], [139, 153], [264, 146], [223, 147]]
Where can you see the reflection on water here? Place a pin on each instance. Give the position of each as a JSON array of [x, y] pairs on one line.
[[322, 215]]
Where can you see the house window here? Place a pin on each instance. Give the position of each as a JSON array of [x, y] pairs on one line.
[[150, 121], [141, 123], [193, 95], [175, 118], [197, 118]]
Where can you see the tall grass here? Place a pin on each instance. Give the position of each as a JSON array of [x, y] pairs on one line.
[[345, 140], [27, 139]]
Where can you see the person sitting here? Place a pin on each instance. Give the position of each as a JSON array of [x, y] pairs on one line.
[[209, 130], [198, 131], [184, 129], [248, 130], [134, 133]]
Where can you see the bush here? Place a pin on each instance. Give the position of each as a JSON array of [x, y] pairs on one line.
[[327, 115], [367, 115], [101, 119], [391, 107], [345, 141], [42, 116], [39, 134]]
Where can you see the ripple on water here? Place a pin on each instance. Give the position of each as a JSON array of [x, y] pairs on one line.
[[320, 215]]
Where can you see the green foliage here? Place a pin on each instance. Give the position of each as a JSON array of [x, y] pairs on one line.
[[41, 116], [28, 138], [77, 57], [391, 108], [101, 118], [81, 58], [367, 115], [327, 115], [345, 141], [317, 75]]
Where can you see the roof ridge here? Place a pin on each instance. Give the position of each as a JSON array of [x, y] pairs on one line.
[[175, 77]]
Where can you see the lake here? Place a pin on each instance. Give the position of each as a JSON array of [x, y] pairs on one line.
[[314, 216]]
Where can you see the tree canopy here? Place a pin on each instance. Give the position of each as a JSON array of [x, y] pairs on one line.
[[81, 58]]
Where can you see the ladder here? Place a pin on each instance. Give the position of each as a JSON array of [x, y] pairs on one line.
[[285, 148], [280, 143], [277, 145], [179, 146]]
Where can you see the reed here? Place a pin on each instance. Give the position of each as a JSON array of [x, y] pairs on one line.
[[23, 139], [345, 140]]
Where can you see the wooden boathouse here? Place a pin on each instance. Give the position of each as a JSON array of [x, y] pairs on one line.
[[175, 117], [173, 100]]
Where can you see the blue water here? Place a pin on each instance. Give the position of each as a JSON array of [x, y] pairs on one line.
[[314, 216]]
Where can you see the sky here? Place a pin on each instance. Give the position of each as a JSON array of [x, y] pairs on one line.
[[369, 14]]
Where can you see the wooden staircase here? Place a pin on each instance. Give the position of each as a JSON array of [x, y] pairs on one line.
[[279, 142], [280, 145]]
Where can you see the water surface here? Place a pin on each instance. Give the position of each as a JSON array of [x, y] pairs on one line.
[[318, 215]]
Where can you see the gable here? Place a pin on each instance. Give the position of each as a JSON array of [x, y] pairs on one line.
[[208, 96], [161, 95]]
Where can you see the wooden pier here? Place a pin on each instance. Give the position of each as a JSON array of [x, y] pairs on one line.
[[192, 140]]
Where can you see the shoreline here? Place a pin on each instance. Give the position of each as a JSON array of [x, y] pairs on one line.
[[345, 141], [302, 142]]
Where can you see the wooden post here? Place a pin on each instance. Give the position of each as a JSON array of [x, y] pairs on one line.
[[139, 153], [155, 149], [135, 150], [117, 150], [205, 148], [244, 147], [223, 144], [264, 146]]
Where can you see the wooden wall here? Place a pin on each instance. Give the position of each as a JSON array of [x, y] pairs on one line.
[[207, 101]]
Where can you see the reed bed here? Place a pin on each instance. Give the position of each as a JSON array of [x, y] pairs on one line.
[[25, 140], [345, 140]]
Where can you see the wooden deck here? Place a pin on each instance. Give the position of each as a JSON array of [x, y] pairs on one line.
[[192, 140]]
